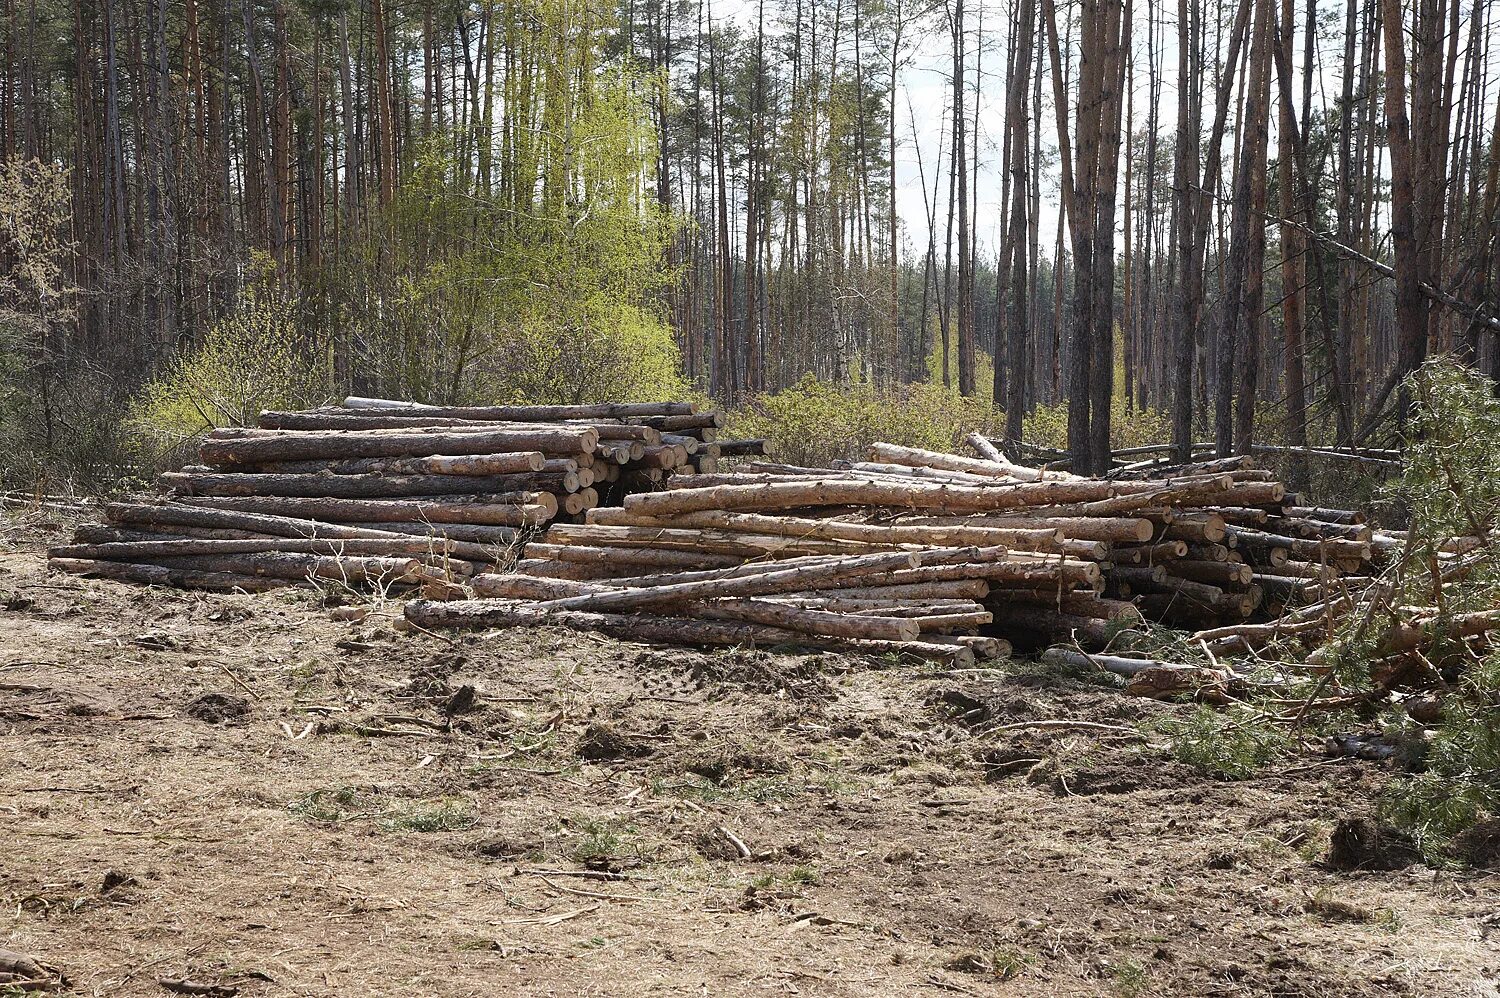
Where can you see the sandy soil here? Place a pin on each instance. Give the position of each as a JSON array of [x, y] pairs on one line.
[[245, 794]]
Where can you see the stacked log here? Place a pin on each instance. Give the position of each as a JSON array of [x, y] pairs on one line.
[[385, 492], [1040, 556]]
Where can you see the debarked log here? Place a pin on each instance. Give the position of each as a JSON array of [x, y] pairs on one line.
[[161, 575]]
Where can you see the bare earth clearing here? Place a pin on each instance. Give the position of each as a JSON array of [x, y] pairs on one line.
[[240, 791]]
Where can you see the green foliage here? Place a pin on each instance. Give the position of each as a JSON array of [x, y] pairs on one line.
[[335, 805], [1461, 784], [815, 422], [330, 805], [1047, 425], [441, 816], [1235, 744], [1449, 487], [541, 278], [984, 364], [257, 357]]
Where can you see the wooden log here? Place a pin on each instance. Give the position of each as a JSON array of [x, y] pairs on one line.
[[547, 568], [98, 533], [617, 432], [886, 608], [703, 480], [145, 550], [780, 496], [1285, 589], [989, 452], [948, 623], [160, 575], [1123, 530], [475, 536], [1208, 552], [278, 565], [179, 515], [1313, 549], [615, 453], [1153, 575], [917, 457], [679, 422], [948, 589], [690, 445], [900, 472], [1326, 514], [1215, 572], [662, 456], [342, 419], [984, 646], [768, 581], [1291, 526], [1028, 576], [448, 509], [1189, 608], [520, 462], [256, 446], [810, 528], [1242, 637], [744, 545], [524, 413], [813, 622], [1306, 570], [634, 558], [662, 630], [741, 448], [1196, 528], [577, 502], [1195, 494], [806, 621], [982, 446], [1241, 516], [501, 488], [1118, 664], [1149, 554]]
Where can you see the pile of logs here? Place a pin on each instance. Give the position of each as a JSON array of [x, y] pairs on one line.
[[384, 492], [998, 553]]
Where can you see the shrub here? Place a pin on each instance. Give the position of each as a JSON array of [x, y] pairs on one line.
[[257, 357]]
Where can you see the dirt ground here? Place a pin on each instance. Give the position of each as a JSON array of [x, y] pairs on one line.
[[247, 795]]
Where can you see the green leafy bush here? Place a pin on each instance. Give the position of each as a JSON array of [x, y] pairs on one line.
[[257, 357]]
